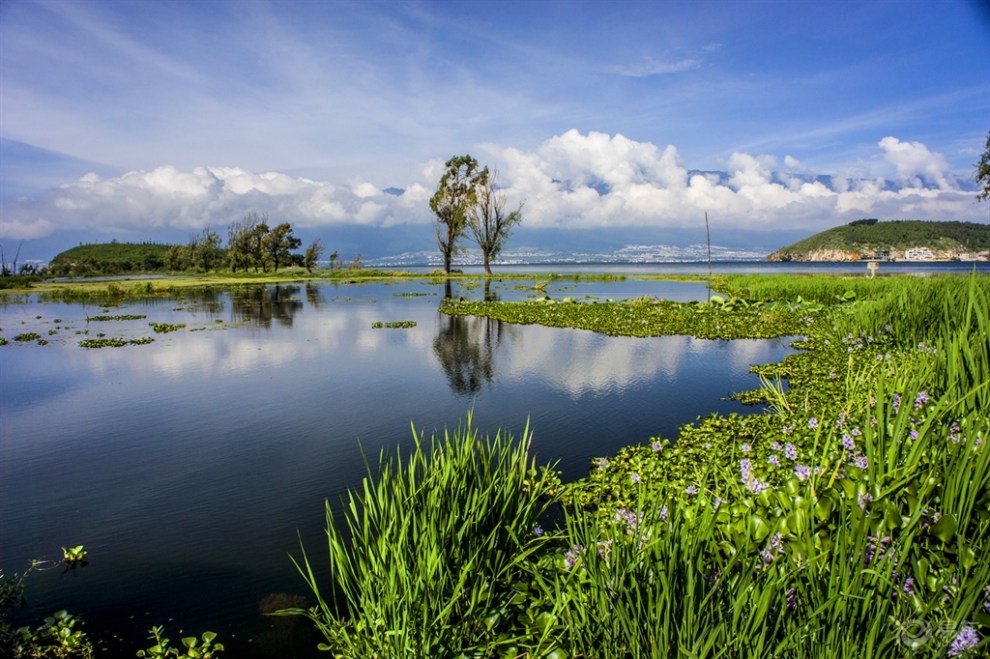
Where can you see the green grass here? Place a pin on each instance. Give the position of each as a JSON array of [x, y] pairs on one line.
[[430, 556]]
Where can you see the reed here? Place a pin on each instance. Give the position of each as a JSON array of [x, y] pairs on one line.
[[427, 559]]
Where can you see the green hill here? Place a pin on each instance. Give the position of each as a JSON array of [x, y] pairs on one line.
[[896, 240], [111, 258]]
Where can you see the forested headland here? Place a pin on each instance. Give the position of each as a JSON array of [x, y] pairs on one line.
[[895, 240]]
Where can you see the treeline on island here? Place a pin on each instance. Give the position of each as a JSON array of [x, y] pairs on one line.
[[893, 240], [251, 244]]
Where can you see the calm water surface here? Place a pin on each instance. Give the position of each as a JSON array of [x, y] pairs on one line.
[[187, 466]]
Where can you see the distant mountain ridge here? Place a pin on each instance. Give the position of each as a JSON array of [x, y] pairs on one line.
[[899, 240]]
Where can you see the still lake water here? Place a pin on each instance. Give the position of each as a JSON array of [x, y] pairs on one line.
[[186, 466]]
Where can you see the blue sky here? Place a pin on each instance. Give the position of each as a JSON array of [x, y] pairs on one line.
[[150, 120]]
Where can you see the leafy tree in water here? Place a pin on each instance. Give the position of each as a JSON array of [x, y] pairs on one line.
[[278, 244], [983, 173], [313, 253], [489, 222], [453, 202]]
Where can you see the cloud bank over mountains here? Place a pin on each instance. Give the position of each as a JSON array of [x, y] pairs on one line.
[[572, 180]]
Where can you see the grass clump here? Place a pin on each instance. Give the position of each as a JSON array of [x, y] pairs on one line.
[[430, 558]]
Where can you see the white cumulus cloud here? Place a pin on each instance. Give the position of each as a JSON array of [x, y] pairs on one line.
[[914, 162], [580, 180]]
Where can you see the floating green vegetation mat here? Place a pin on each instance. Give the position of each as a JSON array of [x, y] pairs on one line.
[[846, 520], [398, 324], [717, 319], [114, 342], [165, 328], [119, 317]]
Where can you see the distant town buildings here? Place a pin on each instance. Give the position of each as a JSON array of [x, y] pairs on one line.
[[918, 254]]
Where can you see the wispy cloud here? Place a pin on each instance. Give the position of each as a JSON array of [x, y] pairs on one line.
[[650, 66]]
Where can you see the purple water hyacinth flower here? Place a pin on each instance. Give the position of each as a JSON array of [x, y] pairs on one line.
[[691, 489], [863, 498], [656, 446], [776, 446], [664, 513], [801, 471], [967, 638], [929, 518], [634, 477], [897, 403], [745, 467], [631, 519], [787, 430], [862, 462], [812, 423], [920, 400], [605, 549], [745, 448], [848, 442], [572, 556], [856, 432], [791, 599], [790, 451], [773, 549], [773, 460], [908, 587], [877, 549], [913, 434], [602, 463], [538, 530]]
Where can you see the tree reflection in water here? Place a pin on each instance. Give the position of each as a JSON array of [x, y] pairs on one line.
[[314, 295], [259, 305], [465, 347]]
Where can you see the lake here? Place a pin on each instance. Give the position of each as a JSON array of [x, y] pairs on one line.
[[188, 465]]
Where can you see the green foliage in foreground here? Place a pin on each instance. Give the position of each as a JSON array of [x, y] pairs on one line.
[[852, 518], [439, 541]]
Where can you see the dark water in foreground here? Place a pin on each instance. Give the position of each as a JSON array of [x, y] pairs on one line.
[[186, 466]]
